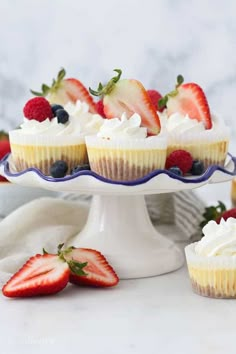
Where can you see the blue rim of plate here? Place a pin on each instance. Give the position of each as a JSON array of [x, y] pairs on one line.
[[202, 178]]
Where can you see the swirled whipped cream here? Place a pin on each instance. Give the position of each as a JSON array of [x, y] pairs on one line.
[[125, 128], [90, 123], [183, 124], [81, 121], [219, 239]]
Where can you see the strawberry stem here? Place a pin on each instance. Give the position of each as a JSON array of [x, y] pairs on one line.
[[163, 101], [55, 84], [212, 213], [75, 267], [105, 90]]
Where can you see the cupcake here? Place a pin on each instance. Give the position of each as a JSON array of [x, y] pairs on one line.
[[50, 134], [212, 261], [190, 126], [122, 151]]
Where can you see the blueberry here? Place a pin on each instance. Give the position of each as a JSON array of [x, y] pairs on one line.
[[80, 168], [59, 169], [55, 107], [197, 168], [62, 116], [176, 170]]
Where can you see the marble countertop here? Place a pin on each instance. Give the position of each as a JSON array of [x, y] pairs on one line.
[[151, 315]]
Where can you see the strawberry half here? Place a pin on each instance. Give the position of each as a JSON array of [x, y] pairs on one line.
[[128, 96], [188, 99], [41, 275], [64, 90], [98, 272]]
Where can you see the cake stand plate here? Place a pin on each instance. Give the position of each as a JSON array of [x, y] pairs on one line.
[[118, 224]]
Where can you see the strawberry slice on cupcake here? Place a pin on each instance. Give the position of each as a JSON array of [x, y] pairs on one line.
[[129, 96], [64, 90], [188, 99]]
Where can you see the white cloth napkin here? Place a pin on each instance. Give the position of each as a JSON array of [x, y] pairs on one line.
[[47, 222]]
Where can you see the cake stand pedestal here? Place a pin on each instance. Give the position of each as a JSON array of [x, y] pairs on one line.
[[118, 224]]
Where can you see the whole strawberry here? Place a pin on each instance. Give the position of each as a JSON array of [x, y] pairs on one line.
[[38, 108], [217, 213], [100, 108], [155, 97]]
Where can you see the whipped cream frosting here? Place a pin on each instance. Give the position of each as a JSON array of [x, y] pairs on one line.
[[125, 128], [219, 239], [183, 124], [81, 121]]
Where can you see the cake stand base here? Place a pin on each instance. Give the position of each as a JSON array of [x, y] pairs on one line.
[[120, 228]]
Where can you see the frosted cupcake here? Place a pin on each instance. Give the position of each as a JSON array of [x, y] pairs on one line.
[[122, 151], [190, 126], [212, 260], [49, 134]]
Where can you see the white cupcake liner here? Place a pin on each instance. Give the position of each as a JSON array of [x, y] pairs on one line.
[[212, 276], [131, 144], [125, 160]]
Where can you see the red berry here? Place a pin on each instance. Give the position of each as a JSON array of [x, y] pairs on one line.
[[227, 214], [181, 159], [100, 108], [38, 108], [155, 97], [4, 149]]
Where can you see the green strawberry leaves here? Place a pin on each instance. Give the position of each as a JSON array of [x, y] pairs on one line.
[[163, 101], [45, 89], [105, 90]]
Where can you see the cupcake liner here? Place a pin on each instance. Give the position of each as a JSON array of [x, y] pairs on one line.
[[17, 137], [41, 151], [42, 157], [211, 276], [208, 153], [124, 160]]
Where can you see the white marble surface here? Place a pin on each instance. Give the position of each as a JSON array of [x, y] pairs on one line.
[[152, 315]]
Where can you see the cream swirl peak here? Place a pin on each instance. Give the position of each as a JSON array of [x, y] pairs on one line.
[[124, 128], [183, 124], [218, 239]]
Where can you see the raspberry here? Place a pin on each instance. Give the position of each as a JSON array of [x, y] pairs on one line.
[[100, 108], [155, 97], [226, 215], [38, 108], [181, 159]]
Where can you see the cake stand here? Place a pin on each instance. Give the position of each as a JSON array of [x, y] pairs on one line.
[[118, 224]]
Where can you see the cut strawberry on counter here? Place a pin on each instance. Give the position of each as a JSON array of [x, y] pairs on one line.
[[64, 90], [128, 96], [188, 99], [41, 275], [46, 274], [98, 272]]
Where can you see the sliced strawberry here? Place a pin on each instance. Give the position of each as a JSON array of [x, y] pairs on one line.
[[129, 96], [188, 99], [41, 275], [98, 272], [64, 90]]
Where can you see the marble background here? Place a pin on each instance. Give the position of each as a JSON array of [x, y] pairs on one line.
[[151, 40]]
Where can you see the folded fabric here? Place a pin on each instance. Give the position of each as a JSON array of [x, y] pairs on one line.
[[47, 222]]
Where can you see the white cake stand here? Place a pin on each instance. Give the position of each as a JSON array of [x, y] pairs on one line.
[[118, 224]]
